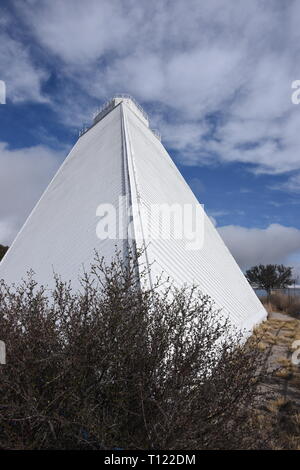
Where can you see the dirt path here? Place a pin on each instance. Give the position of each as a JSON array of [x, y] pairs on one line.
[[281, 375], [279, 391]]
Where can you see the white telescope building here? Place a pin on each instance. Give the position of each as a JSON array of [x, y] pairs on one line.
[[118, 187]]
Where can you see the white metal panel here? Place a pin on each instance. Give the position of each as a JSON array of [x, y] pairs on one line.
[[213, 268], [60, 233], [118, 155]]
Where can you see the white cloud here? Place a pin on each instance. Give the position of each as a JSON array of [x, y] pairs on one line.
[[182, 136], [24, 175], [223, 68], [221, 71], [291, 185], [23, 78], [219, 213], [251, 246], [77, 32]]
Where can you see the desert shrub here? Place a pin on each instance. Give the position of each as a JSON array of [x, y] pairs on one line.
[[279, 302], [267, 305], [120, 365], [294, 306], [286, 421]]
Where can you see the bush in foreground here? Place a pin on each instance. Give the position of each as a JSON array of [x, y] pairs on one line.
[[120, 366]]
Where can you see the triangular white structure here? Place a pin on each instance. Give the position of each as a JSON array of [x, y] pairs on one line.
[[117, 163]]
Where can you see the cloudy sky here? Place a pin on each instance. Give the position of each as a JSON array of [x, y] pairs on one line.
[[215, 77]]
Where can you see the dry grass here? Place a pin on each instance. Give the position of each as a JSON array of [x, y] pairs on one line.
[[284, 361], [282, 303], [276, 405], [262, 346], [294, 308], [280, 417], [278, 332], [268, 305], [289, 334], [284, 373]]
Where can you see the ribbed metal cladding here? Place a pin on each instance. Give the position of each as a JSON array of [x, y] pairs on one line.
[[120, 156], [212, 267], [60, 234]]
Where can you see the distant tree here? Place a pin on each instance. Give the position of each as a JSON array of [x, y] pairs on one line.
[[270, 276], [3, 250]]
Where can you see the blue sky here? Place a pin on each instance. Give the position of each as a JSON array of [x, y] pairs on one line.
[[215, 78]]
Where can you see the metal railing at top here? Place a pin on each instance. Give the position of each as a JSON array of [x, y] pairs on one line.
[[83, 131], [139, 107], [156, 133], [107, 104]]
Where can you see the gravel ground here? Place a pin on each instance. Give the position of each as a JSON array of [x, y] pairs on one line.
[[279, 391]]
